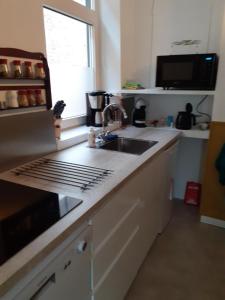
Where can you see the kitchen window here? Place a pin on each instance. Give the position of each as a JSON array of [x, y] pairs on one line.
[[69, 45], [87, 3]]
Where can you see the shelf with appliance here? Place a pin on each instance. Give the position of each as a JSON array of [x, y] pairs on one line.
[[21, 110], [34, 88], [194, 133], [161, 91]]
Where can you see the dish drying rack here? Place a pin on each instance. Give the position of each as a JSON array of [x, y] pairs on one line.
[[76, 175]]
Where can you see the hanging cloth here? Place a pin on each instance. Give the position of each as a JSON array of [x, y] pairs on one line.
[[220, 165]]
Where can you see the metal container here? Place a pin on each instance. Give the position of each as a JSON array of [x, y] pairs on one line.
[[96, 99]]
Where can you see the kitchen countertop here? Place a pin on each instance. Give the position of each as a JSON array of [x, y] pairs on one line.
[[122, 164]]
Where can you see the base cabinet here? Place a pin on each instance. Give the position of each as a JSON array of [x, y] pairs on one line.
[[101, 261], [126, 226], [67, 276]]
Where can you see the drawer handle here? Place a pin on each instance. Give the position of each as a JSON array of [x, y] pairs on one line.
[[45, 286], [81, 247]]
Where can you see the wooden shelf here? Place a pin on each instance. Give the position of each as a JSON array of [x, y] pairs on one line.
[[22, 110], [20, 79], [194, 133], [12, 83], [160, 91]]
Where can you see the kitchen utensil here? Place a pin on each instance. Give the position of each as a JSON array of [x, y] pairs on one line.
[[70, 174], [96, 102], [185, 119], [139, 113], [58, 109]]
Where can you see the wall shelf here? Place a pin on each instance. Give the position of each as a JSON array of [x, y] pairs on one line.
[[24, 83], [160, 91], [194, 133], [19, 111]]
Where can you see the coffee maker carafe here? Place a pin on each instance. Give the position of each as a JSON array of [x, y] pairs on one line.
[[95, 106]]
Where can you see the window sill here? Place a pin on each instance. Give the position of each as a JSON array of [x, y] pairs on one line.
[[73, 136]]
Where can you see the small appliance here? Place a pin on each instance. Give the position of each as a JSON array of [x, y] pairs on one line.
[[96, 102], [139, 113], [26, 213], [186, 119], [192, 71]]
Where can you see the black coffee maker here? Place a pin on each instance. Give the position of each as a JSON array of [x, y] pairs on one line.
[[139, 114], [96, 102], [186, 119]]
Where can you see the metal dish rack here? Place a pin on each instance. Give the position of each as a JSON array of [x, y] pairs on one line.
[[76, 175]]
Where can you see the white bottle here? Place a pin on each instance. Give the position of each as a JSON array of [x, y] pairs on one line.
[[91, 138]]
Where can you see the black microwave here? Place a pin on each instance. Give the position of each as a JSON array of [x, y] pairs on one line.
[[192, 71]]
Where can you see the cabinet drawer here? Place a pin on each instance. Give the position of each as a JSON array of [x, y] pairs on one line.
[[123, 272], [109, 250], [116, 207]]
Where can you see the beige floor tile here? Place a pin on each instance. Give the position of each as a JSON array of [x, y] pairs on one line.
[[186, 262]]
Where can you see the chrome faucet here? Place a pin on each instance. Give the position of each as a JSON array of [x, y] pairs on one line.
[[104, 133]]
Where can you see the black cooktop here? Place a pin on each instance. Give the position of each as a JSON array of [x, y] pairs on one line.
[[27, 212]]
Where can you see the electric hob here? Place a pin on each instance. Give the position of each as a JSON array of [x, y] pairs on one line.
[[27, 212]]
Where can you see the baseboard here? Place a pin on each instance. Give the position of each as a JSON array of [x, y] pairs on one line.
[[212, 221]]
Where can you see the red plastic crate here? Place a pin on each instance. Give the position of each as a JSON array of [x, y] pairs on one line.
[[192, 193]]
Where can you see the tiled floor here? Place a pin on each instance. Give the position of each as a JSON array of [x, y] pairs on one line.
[[187, 262]]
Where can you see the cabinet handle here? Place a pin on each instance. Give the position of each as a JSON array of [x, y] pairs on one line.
[[45, 286], [81, 247]]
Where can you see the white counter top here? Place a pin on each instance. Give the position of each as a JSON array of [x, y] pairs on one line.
[[123, 166]]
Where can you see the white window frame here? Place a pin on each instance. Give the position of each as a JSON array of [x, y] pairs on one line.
[[86, 15]]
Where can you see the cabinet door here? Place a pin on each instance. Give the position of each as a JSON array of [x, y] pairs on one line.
[[167, 161], [147, 182], [67, 277]]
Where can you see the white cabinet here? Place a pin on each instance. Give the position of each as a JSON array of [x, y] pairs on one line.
[[127, 225], [68, 276], [116, 236], [166, 169]]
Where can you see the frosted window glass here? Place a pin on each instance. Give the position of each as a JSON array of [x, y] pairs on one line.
[[84, 2], [69, 47]]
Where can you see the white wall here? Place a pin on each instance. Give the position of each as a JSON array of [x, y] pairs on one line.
[[219, 99], [177, 20], [126, 29], [22, 24], [136, 40], [160, 106], [109, 13], [188, 164]]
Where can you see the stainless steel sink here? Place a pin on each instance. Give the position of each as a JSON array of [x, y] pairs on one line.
[[128, 145]]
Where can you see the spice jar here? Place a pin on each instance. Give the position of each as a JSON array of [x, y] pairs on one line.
[[3, 104], [22, 99], [31, 98], [40, 73], [28, 71], [17, 69], [11, 99], [4, 71], [39, 98]]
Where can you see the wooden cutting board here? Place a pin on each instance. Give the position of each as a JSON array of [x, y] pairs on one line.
[[213, 193]]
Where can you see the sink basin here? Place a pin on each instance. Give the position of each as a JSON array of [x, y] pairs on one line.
[[128, 145]]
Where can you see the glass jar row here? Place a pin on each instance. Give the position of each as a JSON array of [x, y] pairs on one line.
[[22, 98], [20, 69]]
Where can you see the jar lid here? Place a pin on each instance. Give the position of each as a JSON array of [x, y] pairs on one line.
[[29, 92], [16, 62], [38, 92], [3, 61], [22, 92], [40, 65], [97, 93], [27, 63]]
